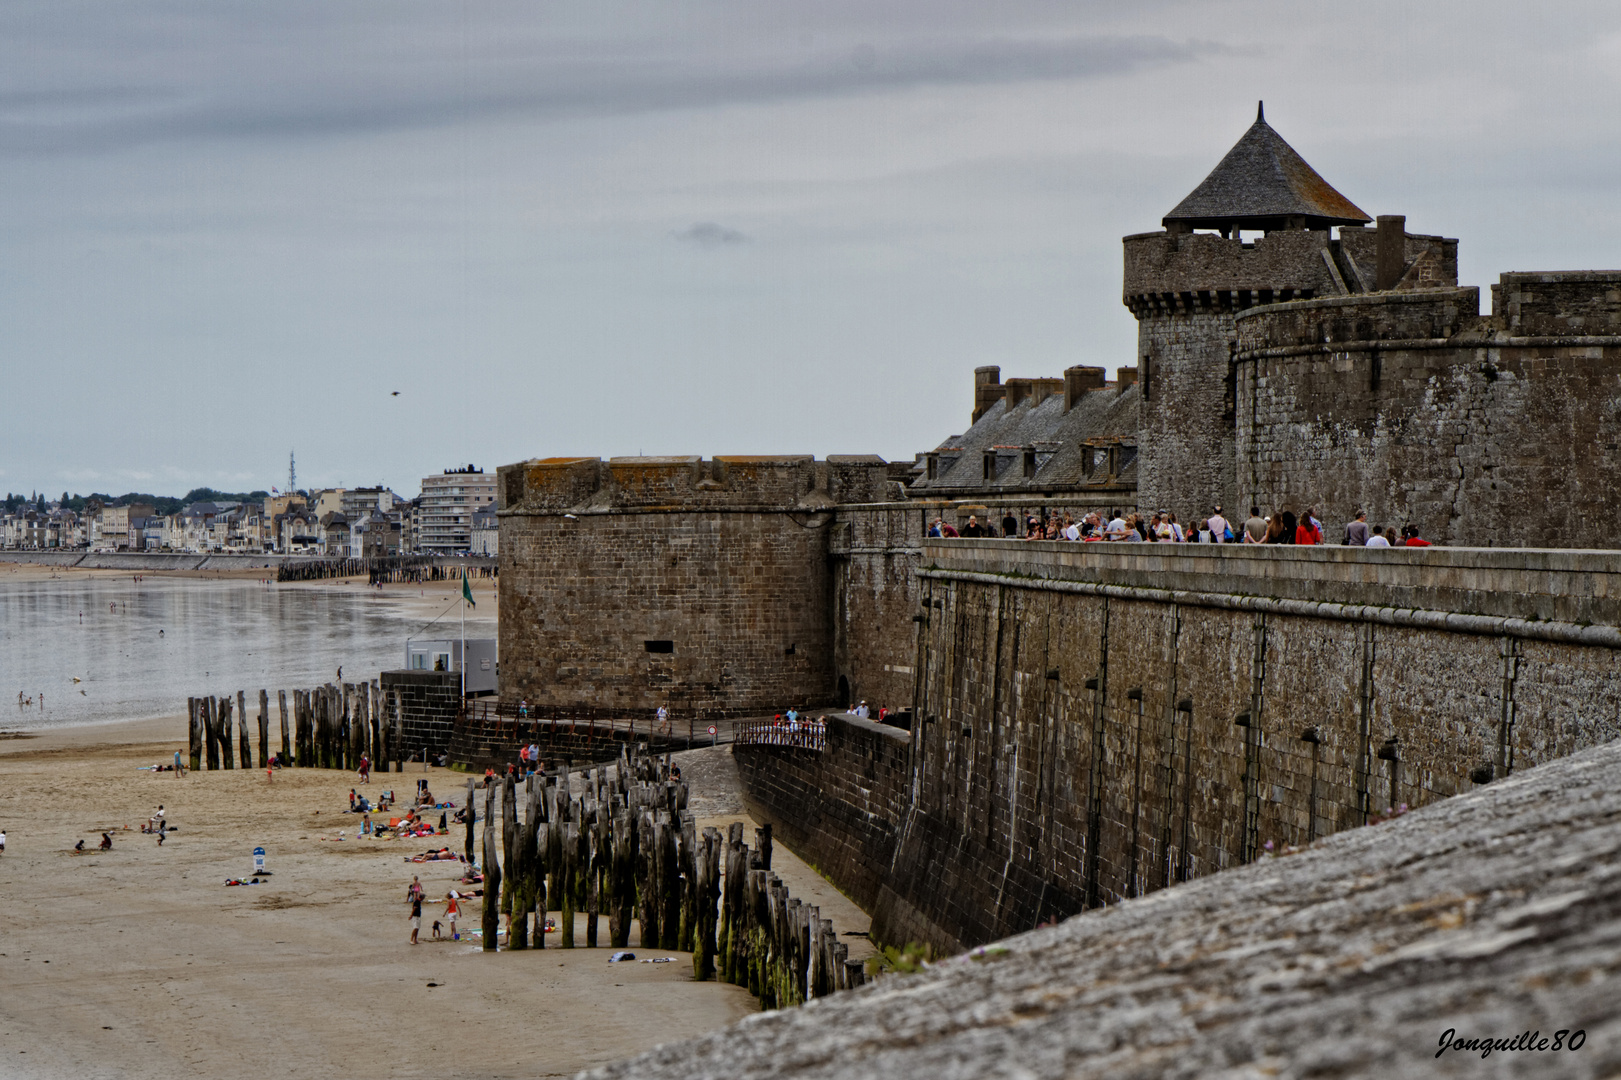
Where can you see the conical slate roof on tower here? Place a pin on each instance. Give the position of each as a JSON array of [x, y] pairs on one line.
[[1263, 184]]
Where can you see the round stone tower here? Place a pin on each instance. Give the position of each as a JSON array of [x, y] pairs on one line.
[[1185, 285]]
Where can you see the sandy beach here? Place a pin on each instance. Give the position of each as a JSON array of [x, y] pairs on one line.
[[140, 962]]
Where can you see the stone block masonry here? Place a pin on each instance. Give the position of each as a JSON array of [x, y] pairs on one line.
[[703, 586], [1500, 430], [428, 707], [1492, 915], [838, 808], [1098, 722]]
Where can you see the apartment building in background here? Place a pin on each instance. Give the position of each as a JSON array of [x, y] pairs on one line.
[[449, 502]]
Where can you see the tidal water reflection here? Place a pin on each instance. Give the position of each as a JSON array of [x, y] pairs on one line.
[[140, 649]]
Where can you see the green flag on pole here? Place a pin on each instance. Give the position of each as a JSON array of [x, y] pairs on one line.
[[467, 590]]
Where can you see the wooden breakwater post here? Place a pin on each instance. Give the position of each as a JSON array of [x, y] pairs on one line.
[[625, 845], [195, 731], [227, 755], [379, 762], [245, 745], [264, 729], [211, 744], [286, 736], [302, 740]]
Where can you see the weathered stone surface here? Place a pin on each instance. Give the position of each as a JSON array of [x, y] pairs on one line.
[[1497, 430], [700, 585], [1099, 721], [1490, 914]]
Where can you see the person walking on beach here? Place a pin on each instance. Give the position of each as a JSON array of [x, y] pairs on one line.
[[365, 768], [453, 911], [179, 769], [3, 841], [416, 917]]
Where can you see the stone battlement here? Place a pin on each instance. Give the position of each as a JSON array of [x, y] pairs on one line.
[[689, 483], [1339, 321], [1169, 271], [1569, 302], [1574, 304]]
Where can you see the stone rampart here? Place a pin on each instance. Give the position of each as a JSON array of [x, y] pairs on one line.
[[1498, 431], [840, 809], [1097, 722], [703, 586]]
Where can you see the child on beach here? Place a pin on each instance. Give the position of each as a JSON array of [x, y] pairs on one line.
[[453, 910]]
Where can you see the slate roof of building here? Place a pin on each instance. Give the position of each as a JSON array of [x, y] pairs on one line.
[[1060, 439], [1260, 183]]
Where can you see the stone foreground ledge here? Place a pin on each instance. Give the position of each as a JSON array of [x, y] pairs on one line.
[[1492, 913]]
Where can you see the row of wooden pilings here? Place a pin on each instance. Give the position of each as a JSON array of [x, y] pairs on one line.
[[331, 727], [621, 843]]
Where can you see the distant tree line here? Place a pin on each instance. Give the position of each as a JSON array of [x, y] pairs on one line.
[[162, 504]]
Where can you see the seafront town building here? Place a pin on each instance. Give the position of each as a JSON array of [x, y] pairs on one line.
[[449, 501]]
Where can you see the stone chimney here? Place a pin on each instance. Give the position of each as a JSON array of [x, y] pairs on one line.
[[1015, 391], [1079, 380], [1391, 253], [1124, 377], [988, 390], [1042, 389]]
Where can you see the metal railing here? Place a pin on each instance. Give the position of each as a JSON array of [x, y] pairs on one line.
[[809, 733]]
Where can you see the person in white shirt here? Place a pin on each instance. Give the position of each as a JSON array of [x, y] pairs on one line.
[[1218, 527], [1377, 537], [1072, 531]]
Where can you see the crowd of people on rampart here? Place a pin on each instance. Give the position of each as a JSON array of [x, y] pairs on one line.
[[1280, 527]]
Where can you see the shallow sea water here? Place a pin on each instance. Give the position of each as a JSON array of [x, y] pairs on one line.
[[141, 648]]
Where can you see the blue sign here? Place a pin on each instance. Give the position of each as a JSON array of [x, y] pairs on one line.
[[258, 860]]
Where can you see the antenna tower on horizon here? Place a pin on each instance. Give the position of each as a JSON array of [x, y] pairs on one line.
[[292, 472]]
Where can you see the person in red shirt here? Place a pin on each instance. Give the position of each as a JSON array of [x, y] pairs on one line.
[[1308, 531], [1413, 539]]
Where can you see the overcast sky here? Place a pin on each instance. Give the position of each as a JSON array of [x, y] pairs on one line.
[[230, 230]]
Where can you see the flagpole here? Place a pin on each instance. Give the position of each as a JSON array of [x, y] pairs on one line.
[[464, 636]]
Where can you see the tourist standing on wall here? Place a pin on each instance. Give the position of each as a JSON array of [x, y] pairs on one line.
[[1308, 531], [1255, 527], [1219, 529], [1356, 533], [1377, 539]]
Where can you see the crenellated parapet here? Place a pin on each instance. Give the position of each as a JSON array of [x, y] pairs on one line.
[[1418, 409], [1169, 272], [690, 482]]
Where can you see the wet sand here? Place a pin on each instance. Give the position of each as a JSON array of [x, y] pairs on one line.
[[139, 962]]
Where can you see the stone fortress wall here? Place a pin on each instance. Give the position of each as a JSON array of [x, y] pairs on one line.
[[1186, 290], [1495, 430], [702, 585], [1096, 722]]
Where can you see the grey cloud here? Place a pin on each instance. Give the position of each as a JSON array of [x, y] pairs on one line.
[[708, 234], [229, 72]]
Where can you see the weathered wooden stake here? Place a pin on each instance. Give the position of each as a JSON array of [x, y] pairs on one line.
[[227, 754], [194, 716], [570, 866], [621, 879], [264, 729], [492, 889], [286, 735], [242, 728]]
